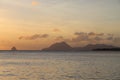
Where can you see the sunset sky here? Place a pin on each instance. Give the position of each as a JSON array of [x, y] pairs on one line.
[[36, 24]]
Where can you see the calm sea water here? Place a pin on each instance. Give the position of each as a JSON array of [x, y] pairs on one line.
[[59, 66]]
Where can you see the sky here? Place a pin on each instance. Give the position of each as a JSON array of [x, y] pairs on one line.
[[36, 24]]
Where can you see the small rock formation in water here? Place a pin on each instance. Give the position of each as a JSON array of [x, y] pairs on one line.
[[13, 49]]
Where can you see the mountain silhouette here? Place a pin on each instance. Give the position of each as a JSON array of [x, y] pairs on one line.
[[62, 46], [94, 46]]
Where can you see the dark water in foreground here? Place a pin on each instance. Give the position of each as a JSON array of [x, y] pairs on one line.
[[59, 66]]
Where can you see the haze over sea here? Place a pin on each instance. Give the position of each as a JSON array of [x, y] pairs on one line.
[[37, 65]]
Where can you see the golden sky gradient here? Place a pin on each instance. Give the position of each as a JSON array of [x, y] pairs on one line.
[[35, 24]]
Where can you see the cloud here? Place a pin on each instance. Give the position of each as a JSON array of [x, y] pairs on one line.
[[117, 39], [35, 3], [34, 37], [91, 34], [80, 36], [98, 38], [100, 34], [110, 38], [59, 38], [92, 38], [56, 30]]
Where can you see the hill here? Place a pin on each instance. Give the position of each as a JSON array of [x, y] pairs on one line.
[[63, 46]]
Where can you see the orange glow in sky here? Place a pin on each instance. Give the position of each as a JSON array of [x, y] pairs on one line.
[[78, 22]]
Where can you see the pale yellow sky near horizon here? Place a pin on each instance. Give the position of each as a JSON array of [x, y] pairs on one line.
[[35, 24]]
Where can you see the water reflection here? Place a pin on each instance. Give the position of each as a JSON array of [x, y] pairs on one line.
[[59, 66]]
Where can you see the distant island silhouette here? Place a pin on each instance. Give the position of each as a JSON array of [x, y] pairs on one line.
[[13, 49], [63, 46]]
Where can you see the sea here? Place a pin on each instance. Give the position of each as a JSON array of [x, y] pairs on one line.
[[37, 65]]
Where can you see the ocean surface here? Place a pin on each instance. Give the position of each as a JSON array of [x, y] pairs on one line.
[[59, 65]]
